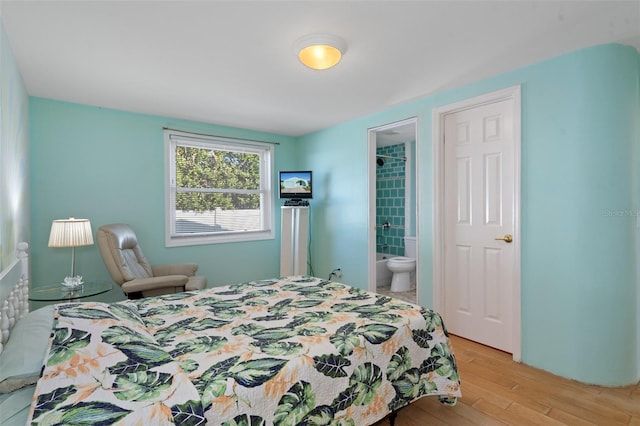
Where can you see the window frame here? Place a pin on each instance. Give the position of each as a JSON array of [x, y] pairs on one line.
[[265, 150]]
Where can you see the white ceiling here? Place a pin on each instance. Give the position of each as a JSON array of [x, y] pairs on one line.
[[231, 62]]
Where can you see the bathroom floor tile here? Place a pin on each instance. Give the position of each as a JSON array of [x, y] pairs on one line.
[[407, 296]]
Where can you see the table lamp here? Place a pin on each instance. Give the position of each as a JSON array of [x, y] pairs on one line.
[[71, 233]]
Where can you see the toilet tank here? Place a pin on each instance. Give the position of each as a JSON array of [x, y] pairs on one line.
[[410, 247]]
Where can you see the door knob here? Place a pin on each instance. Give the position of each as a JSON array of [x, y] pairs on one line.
[[507, 238]]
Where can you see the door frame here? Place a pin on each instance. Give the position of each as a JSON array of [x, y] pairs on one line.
[[511, 93], [371, 225]]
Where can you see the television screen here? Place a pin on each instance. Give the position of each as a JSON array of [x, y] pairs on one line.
[[296, 184]]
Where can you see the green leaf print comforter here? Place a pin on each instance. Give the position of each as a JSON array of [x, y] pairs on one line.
[[289, 351]]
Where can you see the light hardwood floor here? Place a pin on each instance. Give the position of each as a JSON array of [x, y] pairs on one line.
[[497, 391]]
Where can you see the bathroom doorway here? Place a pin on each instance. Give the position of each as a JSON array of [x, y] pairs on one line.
[[393, 205]]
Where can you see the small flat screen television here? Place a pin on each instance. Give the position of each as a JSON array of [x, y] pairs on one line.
[[296, 185]]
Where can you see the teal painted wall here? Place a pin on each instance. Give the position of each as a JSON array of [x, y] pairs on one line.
[[14, 155], [108, 166], [578, 261], [339, 209], [580, 118]]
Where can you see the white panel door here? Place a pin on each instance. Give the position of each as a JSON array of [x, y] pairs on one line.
[[479, 223]]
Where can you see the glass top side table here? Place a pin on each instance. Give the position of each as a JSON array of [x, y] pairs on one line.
[[55, 293]]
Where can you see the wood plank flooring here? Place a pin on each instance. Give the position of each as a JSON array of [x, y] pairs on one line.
[[498, 391]]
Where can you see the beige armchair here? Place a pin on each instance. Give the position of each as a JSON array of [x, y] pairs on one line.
[[129, 267]]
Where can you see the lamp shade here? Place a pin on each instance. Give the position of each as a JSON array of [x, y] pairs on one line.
[[320, 51], [70, 233]]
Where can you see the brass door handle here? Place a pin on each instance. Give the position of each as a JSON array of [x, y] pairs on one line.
[[507, 238]]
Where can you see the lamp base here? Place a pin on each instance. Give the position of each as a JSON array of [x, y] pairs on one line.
[[72, 282]]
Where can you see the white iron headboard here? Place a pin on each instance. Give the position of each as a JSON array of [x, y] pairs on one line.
[[14, 283]]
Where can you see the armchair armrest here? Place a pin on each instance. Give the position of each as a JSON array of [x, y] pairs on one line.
[[144, 284], [188, 269]]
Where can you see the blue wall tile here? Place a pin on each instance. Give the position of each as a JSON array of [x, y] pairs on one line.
[[390, 200]]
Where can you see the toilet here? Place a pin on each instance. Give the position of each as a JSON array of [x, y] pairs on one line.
[[403, 267]]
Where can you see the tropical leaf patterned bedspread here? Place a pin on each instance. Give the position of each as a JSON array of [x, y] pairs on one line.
[[289, 351]]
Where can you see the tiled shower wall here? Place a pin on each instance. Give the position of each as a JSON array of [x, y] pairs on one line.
[[390, 200]]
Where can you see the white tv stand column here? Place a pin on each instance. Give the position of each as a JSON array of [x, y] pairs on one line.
[[294, 240]]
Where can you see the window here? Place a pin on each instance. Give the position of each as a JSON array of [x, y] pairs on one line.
[[219, 190]]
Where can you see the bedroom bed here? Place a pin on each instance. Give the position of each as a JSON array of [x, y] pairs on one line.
[[288, 351]]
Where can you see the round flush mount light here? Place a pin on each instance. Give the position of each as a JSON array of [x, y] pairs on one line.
[[320, 51]]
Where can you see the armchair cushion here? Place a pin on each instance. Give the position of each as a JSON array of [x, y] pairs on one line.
[[145, 284], [188, 269]]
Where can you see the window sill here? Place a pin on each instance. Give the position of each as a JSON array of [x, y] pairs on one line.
[[230, 237]]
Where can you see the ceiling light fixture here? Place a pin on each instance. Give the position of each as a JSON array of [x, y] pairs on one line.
[[320, 51]]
